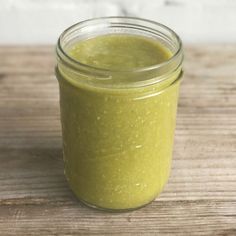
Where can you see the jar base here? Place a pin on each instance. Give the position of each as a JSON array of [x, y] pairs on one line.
[[111, 210]]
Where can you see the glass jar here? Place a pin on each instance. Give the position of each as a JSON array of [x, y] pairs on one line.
[[118, 125]]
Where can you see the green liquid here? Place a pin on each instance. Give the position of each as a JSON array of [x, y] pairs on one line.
[[117, 143], [119, 52]]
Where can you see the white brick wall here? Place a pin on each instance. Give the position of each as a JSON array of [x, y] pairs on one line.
[[41, 21]]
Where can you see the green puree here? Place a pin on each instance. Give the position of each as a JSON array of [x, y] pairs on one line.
[[119, 52], [117, 142]]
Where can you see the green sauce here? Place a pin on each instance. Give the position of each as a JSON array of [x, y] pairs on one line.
[[117, 143], [116, 52]]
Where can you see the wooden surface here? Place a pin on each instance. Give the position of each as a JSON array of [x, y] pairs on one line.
[[200, 198]]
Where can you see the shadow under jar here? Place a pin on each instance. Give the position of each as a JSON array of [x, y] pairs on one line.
[[119, 82]]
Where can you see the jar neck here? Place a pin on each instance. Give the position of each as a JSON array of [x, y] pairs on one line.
[[77, 72]]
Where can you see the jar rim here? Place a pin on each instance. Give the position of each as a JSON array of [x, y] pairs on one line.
[[135, 77], [61, 52]]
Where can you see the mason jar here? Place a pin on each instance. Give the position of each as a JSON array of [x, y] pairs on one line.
[[118, 125]]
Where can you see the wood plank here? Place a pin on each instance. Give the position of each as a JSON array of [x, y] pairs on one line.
[[168, 218], [38, 172], [200, 198]]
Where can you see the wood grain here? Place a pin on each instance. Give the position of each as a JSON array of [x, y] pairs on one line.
[[200, 198]]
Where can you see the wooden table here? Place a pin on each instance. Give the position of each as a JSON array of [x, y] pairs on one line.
[[200, 198]]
